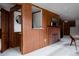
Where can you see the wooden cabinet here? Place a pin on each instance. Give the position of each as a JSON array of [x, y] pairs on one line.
[[53, 34]]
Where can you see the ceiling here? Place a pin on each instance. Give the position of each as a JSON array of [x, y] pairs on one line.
[[65, 10], [6, 6], [35, 9]]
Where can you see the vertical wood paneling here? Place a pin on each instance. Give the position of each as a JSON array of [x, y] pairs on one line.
[[11, 29], [11, 25], [27, 26], [34, 38], [4, 27]]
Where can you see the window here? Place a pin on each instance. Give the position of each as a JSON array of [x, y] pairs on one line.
[[36, 17]]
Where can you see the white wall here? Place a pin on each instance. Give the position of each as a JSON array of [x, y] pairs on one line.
[[75, 30], [17, 27]]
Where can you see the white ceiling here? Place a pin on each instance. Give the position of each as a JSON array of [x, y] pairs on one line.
[[6, 6], [66, 10], [35, 9]]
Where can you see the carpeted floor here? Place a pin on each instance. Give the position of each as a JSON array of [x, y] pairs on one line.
[[66, 49], [61, 48]]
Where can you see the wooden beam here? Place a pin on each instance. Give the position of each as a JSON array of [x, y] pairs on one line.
[[36, 12], [15, 8]]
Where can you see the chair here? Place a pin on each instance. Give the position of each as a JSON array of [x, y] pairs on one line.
[[73, 40]]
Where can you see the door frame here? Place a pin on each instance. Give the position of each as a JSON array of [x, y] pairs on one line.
[[6, 40], [11, 27], [66, 28]]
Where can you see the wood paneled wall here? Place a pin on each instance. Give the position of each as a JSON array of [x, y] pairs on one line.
[[4, 30], [11, 25], [53, 34], [61, 28], [17, 37], [34, 38], [0, 33], [11, 30]]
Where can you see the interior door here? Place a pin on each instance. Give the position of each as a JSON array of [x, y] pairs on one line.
[[4, 26], [66, 28]]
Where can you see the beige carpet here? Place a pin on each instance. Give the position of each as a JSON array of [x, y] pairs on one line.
[[66, 49], [61, 48]]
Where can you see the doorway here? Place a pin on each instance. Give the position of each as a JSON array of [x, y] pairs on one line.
[[4, 35], [0, 31], [66, 28], [15, 27]]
